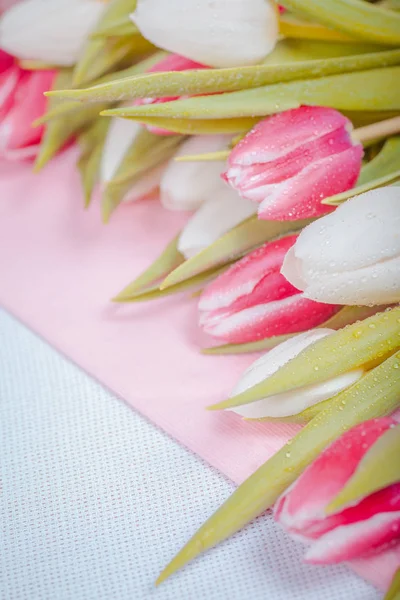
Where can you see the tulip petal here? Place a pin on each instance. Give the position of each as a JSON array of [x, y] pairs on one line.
[[177, 189], [208, 33], [276, 317], [298, 510], [49, 30], [245, 275], [352, 541], [214, 218], [378, 468]]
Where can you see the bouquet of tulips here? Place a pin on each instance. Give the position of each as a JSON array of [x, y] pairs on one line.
[[278, 128]]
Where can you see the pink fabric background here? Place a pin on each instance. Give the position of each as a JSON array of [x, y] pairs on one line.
[[58, 268]]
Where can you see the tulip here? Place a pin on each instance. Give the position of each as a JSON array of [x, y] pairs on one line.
[[214, 218], [218, 34], [120, 136], [172, 62], [289, 162], [295, 401], [6, 4], [21, 103], [52, 31], [252, 300], [367, 524], [353, 255], [186, 185]]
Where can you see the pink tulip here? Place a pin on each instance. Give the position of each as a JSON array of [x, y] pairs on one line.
[[21, 103], [173, 62], [289, 162], [369, 525], [252, 300]]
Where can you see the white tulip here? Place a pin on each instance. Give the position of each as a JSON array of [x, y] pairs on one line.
[[222, 33], [52, 31], [120, 136], [214, 218], [351, 256], [186, 185], [293, 402]]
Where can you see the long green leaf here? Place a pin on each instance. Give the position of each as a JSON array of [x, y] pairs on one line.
[[380, 171], [238, 241], [345, 316], [359, 344], [378, 469], [91, 143], [393, 592], [357, 18], [102, 54], [168, 260], [232, 79], [154, 292], [375, 395], [362, 90], [59, 131]]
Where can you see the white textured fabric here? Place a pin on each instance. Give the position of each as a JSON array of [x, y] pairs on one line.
[[95, 500]]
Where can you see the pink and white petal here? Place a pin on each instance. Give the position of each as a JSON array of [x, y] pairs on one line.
[[8, 84], [298, 509], [16, 130], [288, 166], [282, 133], [6, 60], [26, 153], [356, 540], [300, 197], [289, 315], [241, 279]]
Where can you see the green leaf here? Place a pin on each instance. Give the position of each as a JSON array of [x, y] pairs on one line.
[[168, 260], [345, 316], [246, 236], [154, 292], [358, 19], [91, 143], [208, 81], [361, 90], [292, 27], [375, 395], [103, 54], [393, 592], [58, 131], [59, 107], [380, 171], [146, 152], [378, 469], [360, 344], [119, 27], [199, 126]]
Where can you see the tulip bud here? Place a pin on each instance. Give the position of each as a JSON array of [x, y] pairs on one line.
[[289, 162], [252, 300], [214, 218], [120, 136], [371, 521], [21, 103], [219, 33], [353, 255], [186, 185], [52, 31], [295, 401]]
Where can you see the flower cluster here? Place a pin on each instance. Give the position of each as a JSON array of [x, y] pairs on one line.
[[276, 129]]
